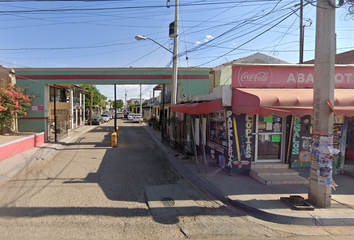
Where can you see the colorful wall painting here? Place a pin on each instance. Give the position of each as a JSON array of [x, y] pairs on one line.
[[239, 142], [300, 152]]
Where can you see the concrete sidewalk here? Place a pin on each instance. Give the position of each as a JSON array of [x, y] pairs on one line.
[[263, 201], [12, 165]]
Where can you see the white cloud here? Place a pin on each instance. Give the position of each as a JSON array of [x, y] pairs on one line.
[[209, 37], [197, 43]]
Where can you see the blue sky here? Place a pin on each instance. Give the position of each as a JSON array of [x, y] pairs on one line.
[[101, 33]]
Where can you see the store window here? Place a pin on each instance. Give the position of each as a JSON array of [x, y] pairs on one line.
[[76, 98], [218, 128], [269, 138], [61, 94]]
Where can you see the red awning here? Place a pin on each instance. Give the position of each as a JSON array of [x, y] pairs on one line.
[[198, 108], [285, 102]]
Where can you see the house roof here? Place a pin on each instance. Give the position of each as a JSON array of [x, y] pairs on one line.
[[257, 58], [260, 58]]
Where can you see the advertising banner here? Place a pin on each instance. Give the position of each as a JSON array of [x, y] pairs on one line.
[[240, 142], [300, 138], [286, 76]]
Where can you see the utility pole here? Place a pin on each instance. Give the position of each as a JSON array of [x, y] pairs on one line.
[[115, 107], [141, 104], [126, 104], [175, 69], [319, 190], [302, 31], [55, 114]]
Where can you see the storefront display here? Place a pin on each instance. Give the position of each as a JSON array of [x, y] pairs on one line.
[[232, 151], [269, 138]]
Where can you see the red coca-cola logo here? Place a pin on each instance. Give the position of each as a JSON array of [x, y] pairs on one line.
[[255, 77]]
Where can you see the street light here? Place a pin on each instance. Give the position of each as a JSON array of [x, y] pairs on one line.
[[174, 73], [175, 67], [138, 37]]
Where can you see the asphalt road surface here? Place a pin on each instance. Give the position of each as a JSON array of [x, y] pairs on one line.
[[88, 190]]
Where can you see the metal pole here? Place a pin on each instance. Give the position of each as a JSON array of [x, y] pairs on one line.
[[91, 107], [319, 191], [162, 117], [141, 104], [55, 114], [115, 107]]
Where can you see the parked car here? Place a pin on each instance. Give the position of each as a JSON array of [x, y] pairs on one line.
[[120, 115], [110, 115], [126, 114], [130, 116], [137, 118], [87, 114], [97, 119], [105, 117]]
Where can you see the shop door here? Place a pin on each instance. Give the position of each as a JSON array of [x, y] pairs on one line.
[[269, 139]]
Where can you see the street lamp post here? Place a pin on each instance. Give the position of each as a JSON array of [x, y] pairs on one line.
[[174, 71], [175, 67]]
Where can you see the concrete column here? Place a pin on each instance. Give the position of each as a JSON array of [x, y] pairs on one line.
[[324, 89]]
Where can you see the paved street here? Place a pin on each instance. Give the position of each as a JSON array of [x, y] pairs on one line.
[[88, 190]]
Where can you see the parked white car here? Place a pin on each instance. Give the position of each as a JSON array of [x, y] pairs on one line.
[[130, 116], [137, 118], [105, 117]]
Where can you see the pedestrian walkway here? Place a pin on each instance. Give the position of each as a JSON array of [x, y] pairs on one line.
[[12, 165], [263, 201]]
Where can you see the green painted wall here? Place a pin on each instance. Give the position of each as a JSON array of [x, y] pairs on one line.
[[194, 87], [33, 125]]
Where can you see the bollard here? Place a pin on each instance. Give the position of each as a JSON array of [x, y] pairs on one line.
[[113, 140], [117, 131]]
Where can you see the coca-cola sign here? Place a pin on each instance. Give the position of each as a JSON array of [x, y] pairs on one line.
[[257, 77], [286, 76]]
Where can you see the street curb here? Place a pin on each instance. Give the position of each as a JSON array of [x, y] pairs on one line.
[[271, 217], [255, 212]]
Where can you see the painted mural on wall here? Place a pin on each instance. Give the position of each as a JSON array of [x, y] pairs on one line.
[[239, 132], [300, 152], [231, 140]]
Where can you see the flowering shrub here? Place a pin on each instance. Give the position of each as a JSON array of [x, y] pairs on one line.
[[14, 102]]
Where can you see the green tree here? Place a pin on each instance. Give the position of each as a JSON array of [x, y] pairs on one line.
[[14, 102], [132, 106], [97, 97], [119, 103]]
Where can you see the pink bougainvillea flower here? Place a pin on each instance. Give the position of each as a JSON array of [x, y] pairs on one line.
[[25, 113], [27, 87]]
